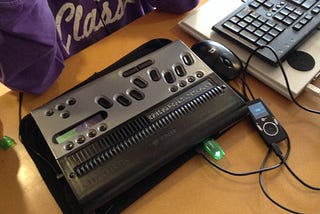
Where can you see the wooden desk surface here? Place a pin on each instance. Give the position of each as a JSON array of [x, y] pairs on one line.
[[196, 187]]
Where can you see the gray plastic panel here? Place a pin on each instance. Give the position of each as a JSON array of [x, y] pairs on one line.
[[72, 120]]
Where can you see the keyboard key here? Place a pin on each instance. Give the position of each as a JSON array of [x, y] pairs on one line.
[[316, 10], [299, 2], [285, 12], [271, 23], [232, 27], [308, 4], [265, 28], [268, 38], [288, 21], [257, 23], [259, 33], [261, 1], [279, 28], [254, 14], [248, 19], [242, 24], [235, 19], [290, 7], [261, 42], [268, 4], [299, 12], [274, 32], [294, 16], [262, 19], [279, 17], [303, 21], [249, 36], [254, 4], [251, 28], [308, 17], [243, 13], [297, 26]]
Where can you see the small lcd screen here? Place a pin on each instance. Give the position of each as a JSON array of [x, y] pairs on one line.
[[80, 128], [258, 110]]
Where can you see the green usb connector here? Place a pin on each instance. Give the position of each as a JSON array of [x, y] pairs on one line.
[[6, 142], [213, 149]]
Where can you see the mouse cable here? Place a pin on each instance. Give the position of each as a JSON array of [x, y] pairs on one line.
[[245, 87], [262, 169], [263, 189], [283, 159], [34, 151], [278, 152], [283, 73], [275, 149]]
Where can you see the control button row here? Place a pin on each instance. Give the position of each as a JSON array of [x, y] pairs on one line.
[[183, 83], [80, 139], [60, 107], [186, 58], [169, 77], [125, 100], [122, 99], [155, 76]]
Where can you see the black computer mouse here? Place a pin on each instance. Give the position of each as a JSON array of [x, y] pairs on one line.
[[219, 58]]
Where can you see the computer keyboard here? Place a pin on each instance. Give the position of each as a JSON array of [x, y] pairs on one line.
[[280, 24]]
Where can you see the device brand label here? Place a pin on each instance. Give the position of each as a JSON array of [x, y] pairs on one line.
[[180, 100]]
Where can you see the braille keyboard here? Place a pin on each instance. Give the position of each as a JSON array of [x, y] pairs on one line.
[[282, 25], [114, 131]]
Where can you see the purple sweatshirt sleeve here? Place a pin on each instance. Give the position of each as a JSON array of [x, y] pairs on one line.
[[35, 38], [174, 6], [30, 59]]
